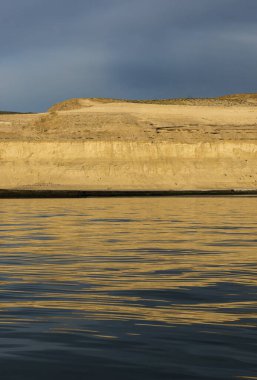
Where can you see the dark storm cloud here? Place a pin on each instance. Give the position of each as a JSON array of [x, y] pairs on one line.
[[51, 50]]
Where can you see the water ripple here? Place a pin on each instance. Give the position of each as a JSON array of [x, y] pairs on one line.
[[161, 288]]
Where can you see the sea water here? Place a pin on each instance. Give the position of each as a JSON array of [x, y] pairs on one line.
[[128, 288]]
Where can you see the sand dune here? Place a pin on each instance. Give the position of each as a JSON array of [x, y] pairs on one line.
[[98, 119]]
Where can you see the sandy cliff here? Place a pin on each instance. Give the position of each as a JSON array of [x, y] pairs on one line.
[[95, 144]]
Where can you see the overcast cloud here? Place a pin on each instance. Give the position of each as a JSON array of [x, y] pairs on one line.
[[57, 49]]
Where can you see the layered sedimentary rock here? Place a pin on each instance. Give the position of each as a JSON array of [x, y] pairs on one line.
[[125, 146], [102, 165]]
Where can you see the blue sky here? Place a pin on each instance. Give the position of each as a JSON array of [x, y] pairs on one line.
[[57, 49]]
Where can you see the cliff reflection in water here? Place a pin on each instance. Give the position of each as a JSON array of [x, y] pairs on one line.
[[141, 287]]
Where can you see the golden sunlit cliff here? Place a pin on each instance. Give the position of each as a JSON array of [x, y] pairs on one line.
[[105, 144]]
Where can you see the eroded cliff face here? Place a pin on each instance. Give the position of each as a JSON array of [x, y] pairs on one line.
[[128, 165], [102, 144]]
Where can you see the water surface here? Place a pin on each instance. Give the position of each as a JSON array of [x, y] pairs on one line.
[[128, 288]]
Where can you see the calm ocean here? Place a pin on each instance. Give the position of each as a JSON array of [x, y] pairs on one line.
[[128, 288]]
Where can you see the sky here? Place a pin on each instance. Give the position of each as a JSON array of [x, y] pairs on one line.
[[53, 50]]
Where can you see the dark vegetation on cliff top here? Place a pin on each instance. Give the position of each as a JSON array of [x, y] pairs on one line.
[[14, 113], [227, 100]]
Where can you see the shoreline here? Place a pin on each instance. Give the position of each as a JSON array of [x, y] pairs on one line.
[[16, 194]]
